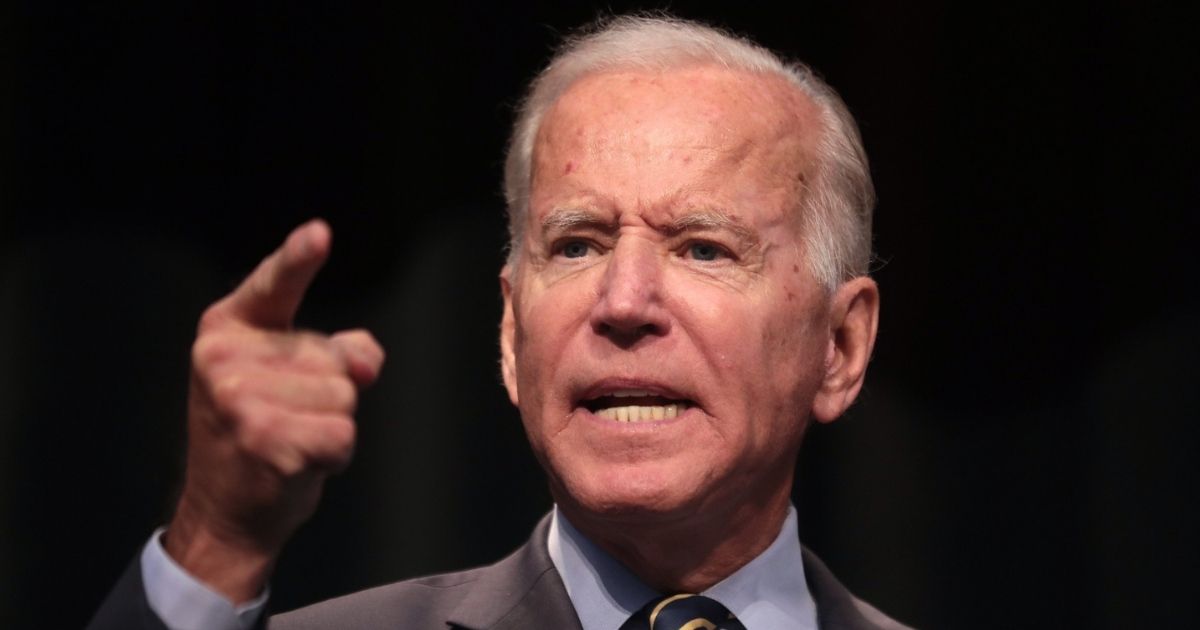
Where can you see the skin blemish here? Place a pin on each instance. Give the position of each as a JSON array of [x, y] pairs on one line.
[[790, 296], [570, 167], [795, 268]]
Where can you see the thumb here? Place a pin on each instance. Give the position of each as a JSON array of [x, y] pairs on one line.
[[362, 353]]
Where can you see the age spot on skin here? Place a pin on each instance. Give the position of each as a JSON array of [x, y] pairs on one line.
[[790, 296], [795, 268]]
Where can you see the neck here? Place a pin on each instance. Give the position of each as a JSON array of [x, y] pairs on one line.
[[685, 554]]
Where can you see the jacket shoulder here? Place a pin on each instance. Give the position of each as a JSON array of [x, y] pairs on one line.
[[837, 607], [499, 595], [418, 603]]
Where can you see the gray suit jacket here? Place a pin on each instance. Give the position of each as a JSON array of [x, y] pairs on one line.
[[522, 591]]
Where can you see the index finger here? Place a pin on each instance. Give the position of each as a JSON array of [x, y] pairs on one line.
[[270, 296]]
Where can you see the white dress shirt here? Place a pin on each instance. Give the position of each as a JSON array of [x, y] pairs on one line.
[[183, 602], [768, 593]]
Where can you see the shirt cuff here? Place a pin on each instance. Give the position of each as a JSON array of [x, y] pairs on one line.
[[183, 602]]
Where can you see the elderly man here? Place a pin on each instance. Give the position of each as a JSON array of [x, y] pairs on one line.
[[685, 292]]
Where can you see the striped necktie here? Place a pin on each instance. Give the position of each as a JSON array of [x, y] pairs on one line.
[[683, 612]]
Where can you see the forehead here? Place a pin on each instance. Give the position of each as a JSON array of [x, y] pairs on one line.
[[690, 126]]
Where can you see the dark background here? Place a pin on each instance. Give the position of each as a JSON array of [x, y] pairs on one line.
[[1022, 455]]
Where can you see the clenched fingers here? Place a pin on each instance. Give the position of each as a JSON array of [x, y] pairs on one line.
[[292, 442], [305, 352], [236, 391]]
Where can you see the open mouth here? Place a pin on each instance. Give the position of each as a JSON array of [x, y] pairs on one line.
[[635, 406]]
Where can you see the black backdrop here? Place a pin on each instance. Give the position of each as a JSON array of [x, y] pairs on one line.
[[1021, 457]]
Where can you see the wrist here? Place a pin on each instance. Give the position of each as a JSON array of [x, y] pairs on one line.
[[230, 564]]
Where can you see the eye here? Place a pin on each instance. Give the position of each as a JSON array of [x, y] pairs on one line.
[[705, 251], [575, 249]]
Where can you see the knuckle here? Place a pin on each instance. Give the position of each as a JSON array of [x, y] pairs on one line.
[[342, 433], [232, 395], [367, 341], [360, 335], [257, 432], [373, 342], [209, 350], [345, 395], [340, 436], [212, 317], [289, 464], [313, 352]]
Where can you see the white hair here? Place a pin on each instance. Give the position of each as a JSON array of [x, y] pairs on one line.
[[839, 198]]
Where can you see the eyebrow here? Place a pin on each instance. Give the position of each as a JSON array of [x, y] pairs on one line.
[[698, 220], [568, 219]]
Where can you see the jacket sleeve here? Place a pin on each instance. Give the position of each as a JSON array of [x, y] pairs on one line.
[[126, 606]]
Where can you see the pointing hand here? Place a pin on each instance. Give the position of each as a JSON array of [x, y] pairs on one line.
[[270, 416]]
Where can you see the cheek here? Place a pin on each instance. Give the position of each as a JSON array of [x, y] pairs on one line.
[[781, 357], [546, 322], [798, 354], [763, 333], [530, 347]]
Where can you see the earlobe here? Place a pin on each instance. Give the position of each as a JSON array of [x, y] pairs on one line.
[[508, 329], [853, 324]]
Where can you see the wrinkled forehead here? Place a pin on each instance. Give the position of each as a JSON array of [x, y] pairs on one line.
[[755, 120], [767, 102], [700, 101]]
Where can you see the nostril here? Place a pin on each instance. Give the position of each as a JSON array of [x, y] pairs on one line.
[[626, 337]]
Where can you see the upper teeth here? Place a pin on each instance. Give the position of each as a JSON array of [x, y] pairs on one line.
[[641, 413]]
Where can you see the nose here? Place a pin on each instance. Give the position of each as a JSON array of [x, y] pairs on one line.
[[629, 305]]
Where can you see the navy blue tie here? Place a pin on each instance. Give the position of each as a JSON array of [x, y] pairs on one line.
[[683, 612]]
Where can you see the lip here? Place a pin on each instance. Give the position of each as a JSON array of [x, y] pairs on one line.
[[609, 386]]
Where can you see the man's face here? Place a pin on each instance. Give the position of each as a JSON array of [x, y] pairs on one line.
[[664, 337]]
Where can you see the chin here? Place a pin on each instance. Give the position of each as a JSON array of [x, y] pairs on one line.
[[632, 493]]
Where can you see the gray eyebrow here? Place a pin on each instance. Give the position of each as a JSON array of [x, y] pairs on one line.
[[570, 218], [712, 220], [567, 219]]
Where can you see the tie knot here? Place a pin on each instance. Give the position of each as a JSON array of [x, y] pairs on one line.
[[683, 612]]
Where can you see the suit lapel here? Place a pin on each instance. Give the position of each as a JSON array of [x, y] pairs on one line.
[[525, 591], [522, 591], [837, 607]]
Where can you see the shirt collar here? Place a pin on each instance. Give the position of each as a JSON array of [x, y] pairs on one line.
[[768, 593]]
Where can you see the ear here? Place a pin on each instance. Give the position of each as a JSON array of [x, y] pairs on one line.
[[508, 332], [853, 323]]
